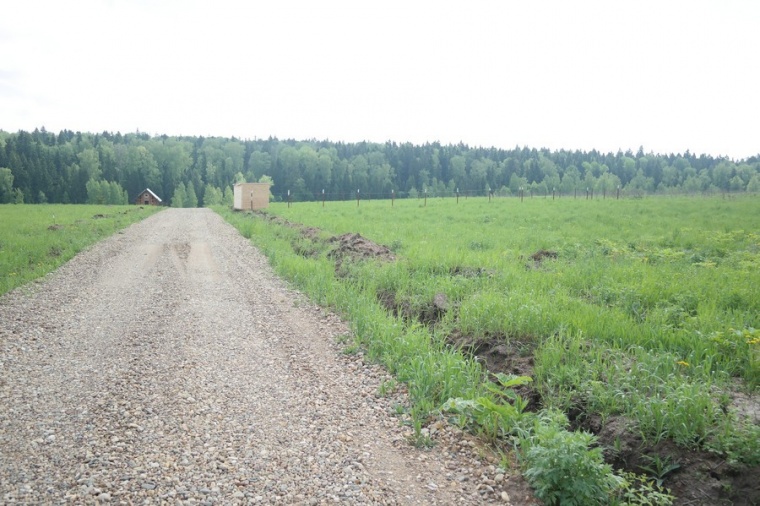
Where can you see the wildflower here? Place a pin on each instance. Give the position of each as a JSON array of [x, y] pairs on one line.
[[681, 362]]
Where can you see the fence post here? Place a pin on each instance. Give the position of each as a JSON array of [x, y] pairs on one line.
[[618, 192], [425, 197], [457, 195], [288, 198], [393, 197], [323, 197], [357, 197]]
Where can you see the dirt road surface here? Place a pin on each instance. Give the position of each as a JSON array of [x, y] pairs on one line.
[[168, 364]]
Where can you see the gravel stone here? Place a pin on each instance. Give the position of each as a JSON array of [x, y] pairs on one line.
[[168, 364]]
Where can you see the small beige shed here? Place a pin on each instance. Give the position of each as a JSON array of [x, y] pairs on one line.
[[251, 196]]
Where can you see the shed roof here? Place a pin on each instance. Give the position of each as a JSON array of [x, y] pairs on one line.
[[149, 191]]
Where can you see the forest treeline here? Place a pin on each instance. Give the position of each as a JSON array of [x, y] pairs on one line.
[[76, 167]]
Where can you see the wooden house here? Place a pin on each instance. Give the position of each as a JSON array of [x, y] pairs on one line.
[[251, 196], [147, 198]]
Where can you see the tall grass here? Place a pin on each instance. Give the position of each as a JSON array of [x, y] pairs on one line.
[[664, 274], [36, 239], [647, 309]]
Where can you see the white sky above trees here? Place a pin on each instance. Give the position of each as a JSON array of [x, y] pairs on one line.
[[607, 75]]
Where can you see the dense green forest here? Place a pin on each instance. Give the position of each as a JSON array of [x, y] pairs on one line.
[[75, 167]]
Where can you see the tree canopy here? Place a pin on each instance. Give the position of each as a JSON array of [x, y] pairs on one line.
[[189, 171]]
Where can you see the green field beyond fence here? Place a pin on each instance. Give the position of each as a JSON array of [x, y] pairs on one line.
[[36, 239], [644, 312]]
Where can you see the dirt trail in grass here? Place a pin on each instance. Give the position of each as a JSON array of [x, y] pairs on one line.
[[169, 363]]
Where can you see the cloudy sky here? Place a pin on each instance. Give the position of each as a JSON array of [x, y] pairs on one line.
[[607, 75]]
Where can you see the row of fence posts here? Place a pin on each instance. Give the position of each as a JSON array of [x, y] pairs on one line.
[[521, 195]]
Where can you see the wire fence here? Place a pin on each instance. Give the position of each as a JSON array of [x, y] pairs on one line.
[[522, 194]]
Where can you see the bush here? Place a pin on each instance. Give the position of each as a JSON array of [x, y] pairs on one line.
[[563, 469]]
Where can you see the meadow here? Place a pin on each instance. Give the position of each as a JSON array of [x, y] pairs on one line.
[[36, 239], [526, 321]]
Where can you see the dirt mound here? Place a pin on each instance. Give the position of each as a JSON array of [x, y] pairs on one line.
[[429, 313], [543, 254], [500, 354], [356, 247], [347, 246], [55, 226], [538, 258]]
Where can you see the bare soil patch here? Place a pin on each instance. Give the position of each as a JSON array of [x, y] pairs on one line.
[[500, 354], [428, 312], [539, 257], [697, 476]]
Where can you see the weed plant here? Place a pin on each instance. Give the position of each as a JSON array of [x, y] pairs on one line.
[[36, 239], [564, 469]]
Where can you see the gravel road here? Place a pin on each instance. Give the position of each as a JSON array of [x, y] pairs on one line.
[[168, 364]]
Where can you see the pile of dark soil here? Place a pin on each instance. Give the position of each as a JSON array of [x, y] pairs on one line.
[[344, 247], [357, 247], [429, 313], [354, 247], [539, 257]]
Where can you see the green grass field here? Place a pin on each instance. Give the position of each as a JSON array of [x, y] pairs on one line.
[[36, 239], [645, 311]]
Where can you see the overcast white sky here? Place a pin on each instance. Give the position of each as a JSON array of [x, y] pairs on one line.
[[606, 75]]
